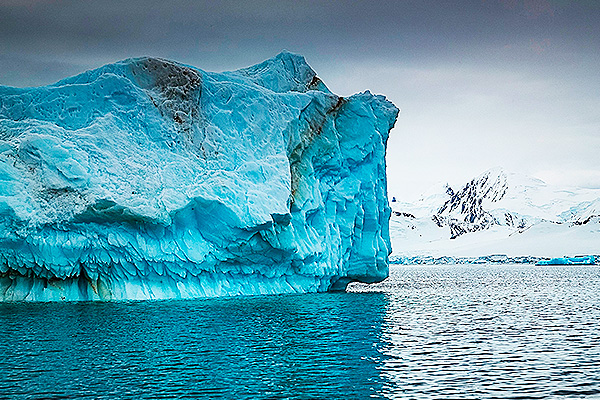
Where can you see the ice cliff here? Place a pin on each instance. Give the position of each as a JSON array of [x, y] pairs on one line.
[[150, 179]]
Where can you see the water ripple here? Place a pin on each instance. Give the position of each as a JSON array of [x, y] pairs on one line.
[[491, 332], [450, 332]]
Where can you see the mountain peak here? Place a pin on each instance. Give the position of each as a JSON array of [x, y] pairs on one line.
[[464, 211], [494, 171]]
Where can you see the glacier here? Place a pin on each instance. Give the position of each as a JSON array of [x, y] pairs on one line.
[[150, 179]]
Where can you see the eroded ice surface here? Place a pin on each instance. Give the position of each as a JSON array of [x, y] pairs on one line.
[[151, 179]]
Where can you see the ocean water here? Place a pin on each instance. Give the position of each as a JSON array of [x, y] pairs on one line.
[[439, 332]]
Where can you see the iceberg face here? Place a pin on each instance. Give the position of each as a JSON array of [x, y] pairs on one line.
[[149, 179]]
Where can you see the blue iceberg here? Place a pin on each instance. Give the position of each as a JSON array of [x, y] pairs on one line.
[[577, 260], [149, 179]]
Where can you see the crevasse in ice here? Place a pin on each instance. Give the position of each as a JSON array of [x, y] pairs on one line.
[[148, 179]]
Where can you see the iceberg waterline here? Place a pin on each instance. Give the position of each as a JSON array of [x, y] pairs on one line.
[[150, 179]]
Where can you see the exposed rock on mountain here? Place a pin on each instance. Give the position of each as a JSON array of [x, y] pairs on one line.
[[497, 213]]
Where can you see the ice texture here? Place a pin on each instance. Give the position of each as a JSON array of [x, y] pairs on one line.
[[148, 179]]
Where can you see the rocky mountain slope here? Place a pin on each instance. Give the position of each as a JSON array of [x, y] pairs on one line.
[[499, 212]]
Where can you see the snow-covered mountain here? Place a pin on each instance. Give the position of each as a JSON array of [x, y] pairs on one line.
[[498, 212]]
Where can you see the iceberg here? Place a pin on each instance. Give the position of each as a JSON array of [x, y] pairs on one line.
[[149, 179], [577, 260]]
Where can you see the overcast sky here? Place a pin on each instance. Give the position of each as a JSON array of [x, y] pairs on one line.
[[481, 83]]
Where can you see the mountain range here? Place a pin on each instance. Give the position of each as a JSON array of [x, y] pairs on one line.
[[498, 212]]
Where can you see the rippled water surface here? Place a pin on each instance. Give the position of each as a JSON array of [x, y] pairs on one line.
[[442, 332]]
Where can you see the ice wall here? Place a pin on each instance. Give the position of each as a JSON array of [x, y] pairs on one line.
[[148, 179]]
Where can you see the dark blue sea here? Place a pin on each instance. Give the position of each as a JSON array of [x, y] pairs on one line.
[[428, 332]]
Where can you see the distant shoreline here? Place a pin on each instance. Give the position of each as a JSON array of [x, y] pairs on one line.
[[489, 259]]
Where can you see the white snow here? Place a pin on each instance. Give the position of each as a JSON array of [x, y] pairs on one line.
[[553, 220]]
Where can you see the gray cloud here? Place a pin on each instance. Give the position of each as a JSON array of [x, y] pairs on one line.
[[234, 32]]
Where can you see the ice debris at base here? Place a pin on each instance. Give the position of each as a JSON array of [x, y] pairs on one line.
[[148, 179]]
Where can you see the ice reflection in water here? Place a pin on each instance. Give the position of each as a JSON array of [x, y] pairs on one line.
[[427, 332]]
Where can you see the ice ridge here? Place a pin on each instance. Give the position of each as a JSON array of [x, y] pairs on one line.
[[149, 179]]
